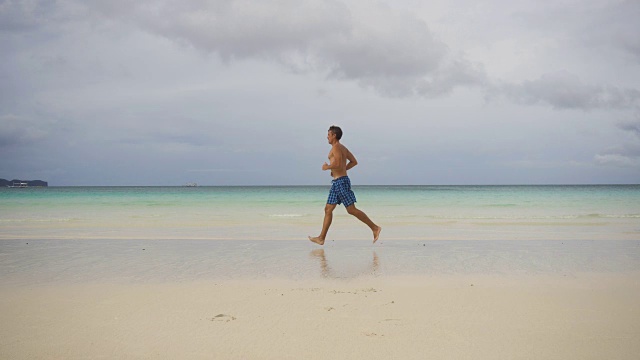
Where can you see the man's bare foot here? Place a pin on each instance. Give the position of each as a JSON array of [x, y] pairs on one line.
[[376, 234], [318, 240]]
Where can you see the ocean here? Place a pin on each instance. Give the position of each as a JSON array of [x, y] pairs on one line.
[[567, 212], [159, 234]]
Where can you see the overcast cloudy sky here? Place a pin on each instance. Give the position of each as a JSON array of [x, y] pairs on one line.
[[242, 92]]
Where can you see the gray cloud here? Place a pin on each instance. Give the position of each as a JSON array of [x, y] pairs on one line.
[[631, 126], [17, 130], [627, 154], [20, 16], [616, 25], [457, 72], [378, 47], [115, 92], [563, 90], [606, 26]]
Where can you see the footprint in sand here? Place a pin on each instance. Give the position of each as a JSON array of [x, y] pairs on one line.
[[396, 322], [372, 334], [223, 317]]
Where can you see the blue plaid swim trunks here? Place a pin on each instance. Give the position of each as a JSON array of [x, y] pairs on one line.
[[341, 193]]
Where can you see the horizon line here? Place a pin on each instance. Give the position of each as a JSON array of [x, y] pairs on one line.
[[356, 185]]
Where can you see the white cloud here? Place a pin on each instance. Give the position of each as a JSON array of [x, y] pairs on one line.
[[618, 160]]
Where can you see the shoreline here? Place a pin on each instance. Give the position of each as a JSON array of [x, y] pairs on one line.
[[144, 261], [293, 213]]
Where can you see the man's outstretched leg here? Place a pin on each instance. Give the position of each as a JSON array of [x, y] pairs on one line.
[[351, 209], [328, 217]]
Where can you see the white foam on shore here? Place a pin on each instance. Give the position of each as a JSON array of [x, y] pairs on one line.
[[286, 215]]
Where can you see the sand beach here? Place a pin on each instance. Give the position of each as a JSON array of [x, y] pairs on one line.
[[162, 300], [589, 316], [165, 164], [228, 273]]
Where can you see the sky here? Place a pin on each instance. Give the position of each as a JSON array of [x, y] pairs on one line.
[[242, 92]]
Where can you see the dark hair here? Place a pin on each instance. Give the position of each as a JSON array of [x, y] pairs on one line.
[[337, 131]]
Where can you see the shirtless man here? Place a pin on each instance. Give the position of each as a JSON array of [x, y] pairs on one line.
[[340, 192]]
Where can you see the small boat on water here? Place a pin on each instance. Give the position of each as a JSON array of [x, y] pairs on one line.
[[191, 184], [18, 184]]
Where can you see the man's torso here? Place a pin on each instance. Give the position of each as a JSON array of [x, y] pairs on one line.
[[341, 170]]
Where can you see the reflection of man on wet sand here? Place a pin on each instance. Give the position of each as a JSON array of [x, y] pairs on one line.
[[326, 270], [340, 192]]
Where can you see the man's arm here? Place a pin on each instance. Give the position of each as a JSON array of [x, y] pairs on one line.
[[352, 160]]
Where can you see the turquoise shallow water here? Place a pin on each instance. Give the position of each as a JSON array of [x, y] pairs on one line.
[[599, 212], [142, 234]]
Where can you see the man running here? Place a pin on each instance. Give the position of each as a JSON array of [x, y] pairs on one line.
[[340, 192]]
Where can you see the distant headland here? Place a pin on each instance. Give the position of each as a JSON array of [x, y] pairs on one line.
[[23, 183]]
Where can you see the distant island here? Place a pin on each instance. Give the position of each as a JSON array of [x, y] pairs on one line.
[[23, 183]]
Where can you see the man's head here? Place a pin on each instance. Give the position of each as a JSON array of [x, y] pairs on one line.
[[335, 131]]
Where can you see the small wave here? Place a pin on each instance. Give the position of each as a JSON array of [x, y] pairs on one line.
[[513, 217], [611, 216], [37, 220]]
